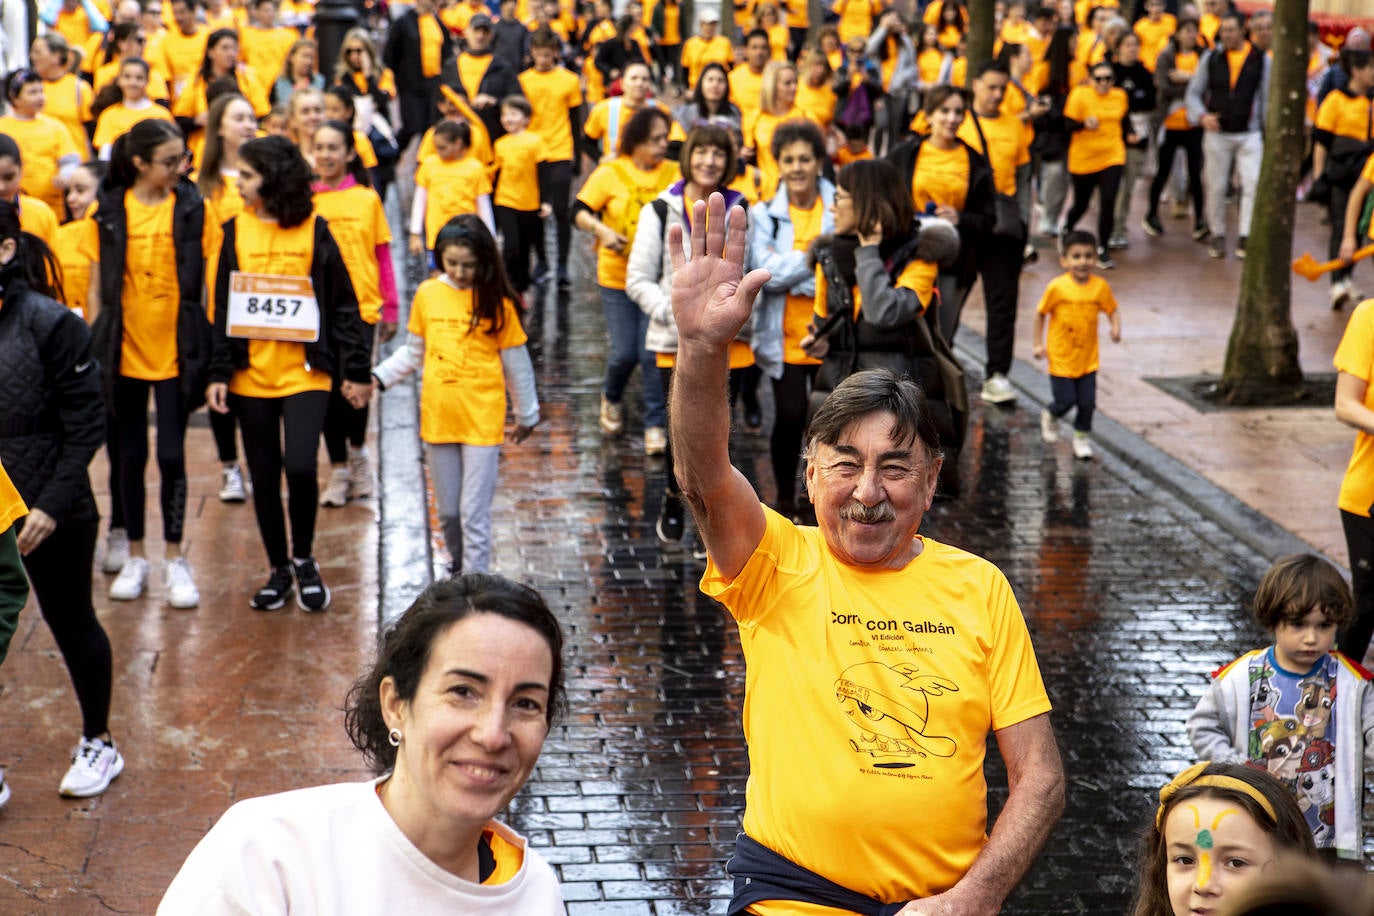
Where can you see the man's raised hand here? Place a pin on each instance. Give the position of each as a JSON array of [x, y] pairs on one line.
[[712, 296]]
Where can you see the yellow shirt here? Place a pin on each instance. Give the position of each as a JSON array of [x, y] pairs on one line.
[[463, 395], [431, 46], [37, 218], [617, 191], [177, 57], [453, 187], [43, 141], [191, 102], [798, 310], [1355, 356], [264, 50], [74, 26], [856, 17], [1154, 37], [598, 125], [471, 69], [750, 184], [1178, 120], [1092, 150], [106, 76], [276, 368], [76, 266], [1008, 146], [869, 697], [68, 99], [816, 103], [1367, 173], [917, 276], [697, 52], [1340, 115], [758, 133], [745, 89], [517, 160], [358, 223], [843, 155], [1073, 310], [552, 96], [941, 177], [1207, 28], [119, 119], [12, 507]]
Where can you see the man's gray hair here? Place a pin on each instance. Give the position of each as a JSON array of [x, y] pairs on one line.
[[876, 391]]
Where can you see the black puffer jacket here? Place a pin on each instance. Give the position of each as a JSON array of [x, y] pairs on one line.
[[193, 325], [52, 416]]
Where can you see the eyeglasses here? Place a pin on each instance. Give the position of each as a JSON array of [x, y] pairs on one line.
[[172, 162]]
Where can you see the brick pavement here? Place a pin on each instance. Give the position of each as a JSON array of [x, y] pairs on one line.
[[1131, 597]]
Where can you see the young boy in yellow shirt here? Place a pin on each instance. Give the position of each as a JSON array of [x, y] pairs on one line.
[[520, 206], [447, 185], [1070, 306]]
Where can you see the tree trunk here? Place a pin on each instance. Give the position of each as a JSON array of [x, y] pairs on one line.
[[1262, 356], [815, 10], [980, 34]]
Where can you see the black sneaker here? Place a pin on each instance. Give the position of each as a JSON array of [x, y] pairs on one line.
[[670, 520], [1104, 260], [313, 594], [1152, 226], [1240, 248], [274, 594], [1200, 232]]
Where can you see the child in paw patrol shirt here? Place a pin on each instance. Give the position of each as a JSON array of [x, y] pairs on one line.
[[1299, 709]]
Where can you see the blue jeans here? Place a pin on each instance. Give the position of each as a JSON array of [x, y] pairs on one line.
[[626, 324], [1078, 392]]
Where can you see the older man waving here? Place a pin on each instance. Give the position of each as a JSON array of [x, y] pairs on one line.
[[878, 660]]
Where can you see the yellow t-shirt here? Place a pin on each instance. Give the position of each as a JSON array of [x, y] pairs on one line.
[[697, 52], [463, 396], [798, 310], [1367, 173], [68, 99], [358, 223], [816, 103], [745, 86], [12, 507], [1178, 120], [1008, 140], [119, 119], [750, 184], [758, 133], [856, 18], [617, 191], [106, 76], [37, 218], [1207, 28], [517, 160], [471, 69], [431, 46], [941, 176], [276, 368], [1154, 37], [869, 697], [76, 266], [1355, 356], [192, 102], [1340, 115], [43, 141], [453, 187], [74, 26], [1073, 310], [598, 125], [1092, 150], [552, 95], [265, 50], [179, 56]]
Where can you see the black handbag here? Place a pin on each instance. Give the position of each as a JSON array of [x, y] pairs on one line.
[[1008, 222]]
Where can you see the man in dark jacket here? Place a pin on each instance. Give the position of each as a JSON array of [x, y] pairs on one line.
[[510, 39], [484, 78], [417, 48]]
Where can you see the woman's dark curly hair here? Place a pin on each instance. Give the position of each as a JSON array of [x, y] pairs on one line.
[[492, 286], [405, 648], [285, 190]]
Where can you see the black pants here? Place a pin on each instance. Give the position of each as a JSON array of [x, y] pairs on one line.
[[225, 427], [301, 418], [112, 459], [60, 572], [790, 396], [1106, 183], [1190, 141], [557, 189], [1359, 543], [671, 56], [1070, 393], [999, 264], [417, 112], [796, 41], [344, 425], [131, 423], [522, 231], [665, 374], [1340, 197]]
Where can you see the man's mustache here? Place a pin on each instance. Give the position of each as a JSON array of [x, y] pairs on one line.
[[868, 515]]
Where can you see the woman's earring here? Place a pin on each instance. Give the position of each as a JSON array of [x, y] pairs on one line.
[[394, 737]]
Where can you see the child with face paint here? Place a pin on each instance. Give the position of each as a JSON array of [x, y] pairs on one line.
[[1217, 828], [1298, 709]]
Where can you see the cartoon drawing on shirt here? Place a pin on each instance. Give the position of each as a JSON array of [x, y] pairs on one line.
[[1281, 745], [1314, 705], [890, 705], [1263, 694], [1316, 781]]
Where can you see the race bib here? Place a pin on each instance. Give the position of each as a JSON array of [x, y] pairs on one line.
[[267, 307]]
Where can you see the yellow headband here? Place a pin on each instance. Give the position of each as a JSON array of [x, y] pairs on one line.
[[1193, 777]]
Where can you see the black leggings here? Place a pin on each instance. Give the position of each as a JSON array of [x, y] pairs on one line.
[[344, 425], [790, 396], [1359, 543], [225, 427], [522, 231], [263, 419], [1190, 141], [557, 190], [1106, 183], [131, 424], [60, 571]]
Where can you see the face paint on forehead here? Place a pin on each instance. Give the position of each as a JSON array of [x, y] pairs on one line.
[[1204, 842]]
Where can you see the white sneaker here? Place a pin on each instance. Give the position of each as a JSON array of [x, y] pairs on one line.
[[4, 789], [336, 491], [655, 440], [1341, 294], [231, 487], [128, 585], [181, 588], [1049, 428], [116, 551], [359, 473], [997, 390], [95, 764], [612, 417], [1082, 447]]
